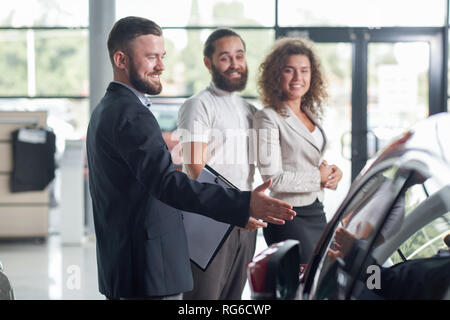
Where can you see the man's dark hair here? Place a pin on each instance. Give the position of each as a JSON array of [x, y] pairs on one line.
[[127, 29], [210, 46]]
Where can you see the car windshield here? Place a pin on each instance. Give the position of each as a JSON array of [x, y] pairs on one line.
[[399, 213]]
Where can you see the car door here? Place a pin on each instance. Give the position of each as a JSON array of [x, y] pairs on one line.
[[375, 201], [399, 210]]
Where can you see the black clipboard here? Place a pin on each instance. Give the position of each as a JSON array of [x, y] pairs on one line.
[[205, 236]]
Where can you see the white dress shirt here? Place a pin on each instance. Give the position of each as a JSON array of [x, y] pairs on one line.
[[318, 136], [222, 120]]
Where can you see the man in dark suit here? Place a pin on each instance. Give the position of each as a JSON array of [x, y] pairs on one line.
[[136, 193]]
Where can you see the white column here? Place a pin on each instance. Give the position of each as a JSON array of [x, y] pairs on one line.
[[72, 192], [102, 15]]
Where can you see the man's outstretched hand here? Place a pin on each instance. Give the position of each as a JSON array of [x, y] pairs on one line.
[[267, 208]]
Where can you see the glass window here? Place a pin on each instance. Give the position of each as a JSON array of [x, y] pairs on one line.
[[186, 73], [52, 13], [13, 63], [357, 228], [258, 44], [448, 72], [68, 117], [201, 12], [62, 63], [335, 59], [44, 63], [362, 13], [398, 86]]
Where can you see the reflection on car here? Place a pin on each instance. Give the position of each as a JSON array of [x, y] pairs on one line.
[[166, 113], [6, 291], [386, 239]]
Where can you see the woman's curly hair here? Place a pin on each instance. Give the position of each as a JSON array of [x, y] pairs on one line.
[[270, 70]]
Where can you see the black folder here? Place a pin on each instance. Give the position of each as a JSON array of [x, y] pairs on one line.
[[206, 236]]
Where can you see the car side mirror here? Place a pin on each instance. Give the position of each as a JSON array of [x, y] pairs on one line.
[[275, 272]]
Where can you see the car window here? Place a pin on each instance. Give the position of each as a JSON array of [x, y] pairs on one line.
[[400, 213], [397, 209], [428, 240], [358, 227]]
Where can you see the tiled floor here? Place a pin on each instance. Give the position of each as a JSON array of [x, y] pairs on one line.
[[43, 270], [51, 270]]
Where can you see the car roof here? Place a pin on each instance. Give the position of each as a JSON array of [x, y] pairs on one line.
[[429, 135]]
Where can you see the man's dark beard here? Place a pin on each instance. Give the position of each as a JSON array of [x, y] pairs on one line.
[[141, 85], [229, 85]]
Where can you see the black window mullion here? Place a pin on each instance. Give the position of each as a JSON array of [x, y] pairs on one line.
[[359, 102], [438, 74]]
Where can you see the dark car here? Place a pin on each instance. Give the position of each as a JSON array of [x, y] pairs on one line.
[[166, 113], [389, 237]]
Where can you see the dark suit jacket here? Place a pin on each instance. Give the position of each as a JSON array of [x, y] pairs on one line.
[[136, 193]]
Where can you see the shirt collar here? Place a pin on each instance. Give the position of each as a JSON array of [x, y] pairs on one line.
[[218, 91], [145, 99]]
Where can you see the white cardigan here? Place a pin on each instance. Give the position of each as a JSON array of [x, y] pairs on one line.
[[288, 153]]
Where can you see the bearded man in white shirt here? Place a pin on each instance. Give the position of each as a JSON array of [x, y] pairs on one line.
[[214, 129]]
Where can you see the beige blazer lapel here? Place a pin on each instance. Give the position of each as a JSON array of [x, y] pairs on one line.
[[296, 124], [316, 122]]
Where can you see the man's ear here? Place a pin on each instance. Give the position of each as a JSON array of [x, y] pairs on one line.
[[207, 62], [120, 59]]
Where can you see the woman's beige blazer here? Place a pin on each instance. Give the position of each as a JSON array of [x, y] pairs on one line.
[[288, 153]]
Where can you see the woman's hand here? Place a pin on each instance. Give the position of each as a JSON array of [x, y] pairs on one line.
[[253, 225], [334, 177], [325, 171]]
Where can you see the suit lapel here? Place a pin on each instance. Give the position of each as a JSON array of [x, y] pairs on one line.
[[296, 124], [314, 120]]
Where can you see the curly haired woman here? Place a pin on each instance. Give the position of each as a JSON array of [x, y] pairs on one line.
[[291, 141]]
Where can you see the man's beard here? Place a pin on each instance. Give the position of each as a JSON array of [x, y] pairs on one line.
[[230, 85], [140, 84]]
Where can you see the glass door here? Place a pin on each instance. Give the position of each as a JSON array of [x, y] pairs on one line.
[[397, 90], [336, 62], [380, 81], [398, 79]]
